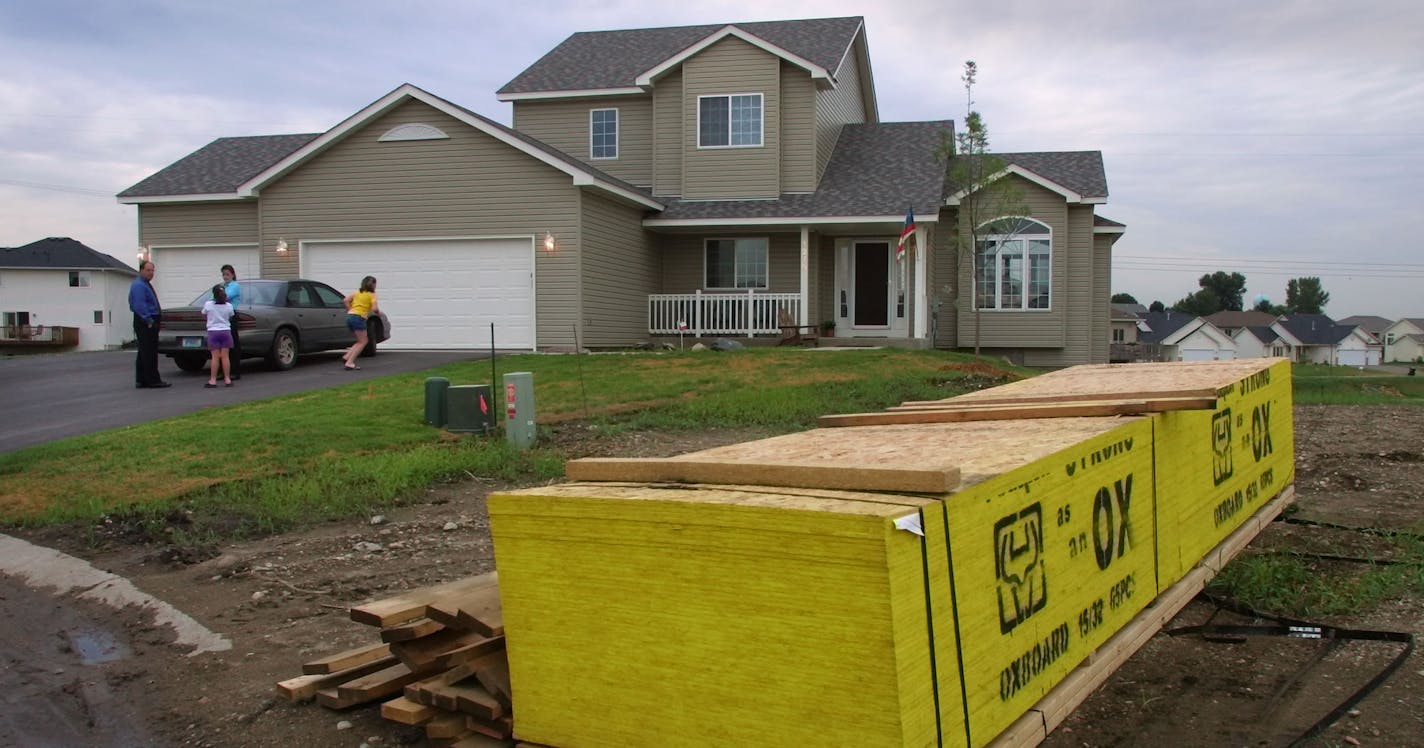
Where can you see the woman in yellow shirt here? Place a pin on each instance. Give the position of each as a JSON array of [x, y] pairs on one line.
[[359, 306]]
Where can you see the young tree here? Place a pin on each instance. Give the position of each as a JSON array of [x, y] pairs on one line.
[[1123, 298], [1306, 296], [985, 199]]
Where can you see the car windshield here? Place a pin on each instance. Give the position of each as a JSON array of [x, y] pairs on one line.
[[261, 293]]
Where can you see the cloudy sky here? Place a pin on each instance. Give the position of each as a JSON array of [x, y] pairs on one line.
[[1277, 138]]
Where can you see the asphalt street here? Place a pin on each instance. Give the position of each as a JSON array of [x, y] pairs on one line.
[[46, 397]]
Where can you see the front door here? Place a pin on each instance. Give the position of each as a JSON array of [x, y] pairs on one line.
[[870, 289]]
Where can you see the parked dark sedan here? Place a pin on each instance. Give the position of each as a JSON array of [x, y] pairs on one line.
[[277, 320]]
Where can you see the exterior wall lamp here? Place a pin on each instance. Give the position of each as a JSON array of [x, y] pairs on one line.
[[548, 241]]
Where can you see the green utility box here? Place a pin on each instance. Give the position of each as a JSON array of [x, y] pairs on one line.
[[469, 408], [436, 389], [519, 409]]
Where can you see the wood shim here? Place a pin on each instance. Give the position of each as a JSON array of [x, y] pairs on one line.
[[395, 611], [1120, 381], [304, 687], [1050, 711], [407, 712], [951, 412]]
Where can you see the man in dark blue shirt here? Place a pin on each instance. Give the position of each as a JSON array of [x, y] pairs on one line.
[[143, 302]]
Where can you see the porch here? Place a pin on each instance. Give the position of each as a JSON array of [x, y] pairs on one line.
[[38, 336]]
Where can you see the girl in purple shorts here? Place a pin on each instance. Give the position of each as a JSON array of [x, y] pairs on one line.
[[219, 316]]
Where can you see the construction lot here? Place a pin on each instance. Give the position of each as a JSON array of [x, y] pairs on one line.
[[283, 601]]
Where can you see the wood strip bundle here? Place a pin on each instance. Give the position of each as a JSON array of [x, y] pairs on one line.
[[441, 665]]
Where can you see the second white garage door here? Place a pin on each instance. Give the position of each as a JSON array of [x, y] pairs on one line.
[[185, 272], [438, 293]]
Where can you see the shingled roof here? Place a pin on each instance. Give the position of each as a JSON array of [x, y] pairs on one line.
[[1079, 171], [220, 166], [877, 169], [1314, 329], [592, 60], [60, 253]]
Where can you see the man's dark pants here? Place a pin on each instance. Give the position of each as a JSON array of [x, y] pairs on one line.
[[146, 365]]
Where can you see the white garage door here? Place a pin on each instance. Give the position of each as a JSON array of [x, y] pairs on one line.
[[438, 293], [185, 272], [1348, 357], [1199, 354]]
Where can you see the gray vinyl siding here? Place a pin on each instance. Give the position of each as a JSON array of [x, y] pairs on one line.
[[470, 185], [1102, 298], [798, 130], [839, 106], [1082, 312], [732, 66], [564, 124], [668, 138], [683, 260], [225, 222], [823, 280], [944, 282], [620, 269], [1030, 329]]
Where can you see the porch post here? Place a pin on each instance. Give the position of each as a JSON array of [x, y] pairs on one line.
[[804, 315], [922, 298]]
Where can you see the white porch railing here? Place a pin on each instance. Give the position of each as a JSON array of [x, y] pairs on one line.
[[750, 313]]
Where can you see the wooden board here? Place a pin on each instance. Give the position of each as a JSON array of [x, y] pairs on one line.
[[950, 413], [406, 712], [477, 610], [480, 741], [304, 687], [413, 630], [494, 676], [377, 685], [765, 473], [443, 649], [410, 606], [346, 660], [446, 726]]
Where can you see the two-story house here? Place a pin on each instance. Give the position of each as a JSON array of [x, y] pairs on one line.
[[702, 179]]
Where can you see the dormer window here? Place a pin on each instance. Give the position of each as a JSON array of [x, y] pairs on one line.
[[603, 133], [730, 121]]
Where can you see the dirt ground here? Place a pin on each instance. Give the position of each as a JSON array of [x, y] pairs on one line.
[[283, 600]]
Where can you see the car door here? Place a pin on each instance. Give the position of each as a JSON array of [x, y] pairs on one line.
[[331, 299], [313, 325]]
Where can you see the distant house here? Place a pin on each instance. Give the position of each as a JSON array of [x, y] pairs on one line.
[[1124, 324], [1315, 338], [1369, 323], [1404, 340], [1259, 342], [1173, 336], [1230, 322], [59, 293], [712, 179]]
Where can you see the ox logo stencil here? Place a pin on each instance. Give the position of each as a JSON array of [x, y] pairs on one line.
[[1018, 562], [1221, 467]]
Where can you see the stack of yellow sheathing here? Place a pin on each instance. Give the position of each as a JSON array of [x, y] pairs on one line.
[[907, 584], [652, 615]]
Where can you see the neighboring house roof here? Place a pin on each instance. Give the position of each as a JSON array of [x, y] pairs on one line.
[[1200, 328], [1313, 329], [1136, 310], [60, 253], [220, 166], [1076, 175], [623, 59], [1162, 325], [877, 170], [1118, 313], [1417, 322], [1234, 319], [1103, 225], [239, 170], [1264, 334], [1369, 323]]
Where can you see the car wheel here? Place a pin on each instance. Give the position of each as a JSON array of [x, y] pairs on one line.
[[373, 333], [283, 355], [192, 362]]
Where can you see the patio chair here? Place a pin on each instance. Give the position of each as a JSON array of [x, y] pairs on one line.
[[794, 334]]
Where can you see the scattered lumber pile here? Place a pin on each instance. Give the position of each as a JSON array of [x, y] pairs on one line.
[[440, 664]]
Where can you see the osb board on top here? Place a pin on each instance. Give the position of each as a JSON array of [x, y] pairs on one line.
[[755, 497], [977, 450], [1121, 381]]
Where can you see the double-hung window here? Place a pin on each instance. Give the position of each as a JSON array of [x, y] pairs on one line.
[[603, 133], [736, 263], [729, 121], [78, 279], [1013, 265]]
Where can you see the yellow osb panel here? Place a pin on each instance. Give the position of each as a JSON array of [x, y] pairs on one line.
[[1216, 468], [678, 616], [1049, 561]]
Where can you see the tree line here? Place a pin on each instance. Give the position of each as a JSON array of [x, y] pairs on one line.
[[1223, 291]]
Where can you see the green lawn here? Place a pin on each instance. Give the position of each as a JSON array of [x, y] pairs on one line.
[[264, 466], [1316, 384]]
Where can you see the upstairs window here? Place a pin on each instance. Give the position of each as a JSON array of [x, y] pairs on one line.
[[1014, 261], [729, 121], [736, 263], [603, 133], [78, 279]]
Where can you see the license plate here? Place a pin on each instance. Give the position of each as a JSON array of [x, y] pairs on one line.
[[192, 342]]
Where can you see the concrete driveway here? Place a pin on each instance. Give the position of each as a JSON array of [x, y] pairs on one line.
[[53, 396]]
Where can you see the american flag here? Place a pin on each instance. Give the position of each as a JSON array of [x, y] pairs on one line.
[[905, 234]]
